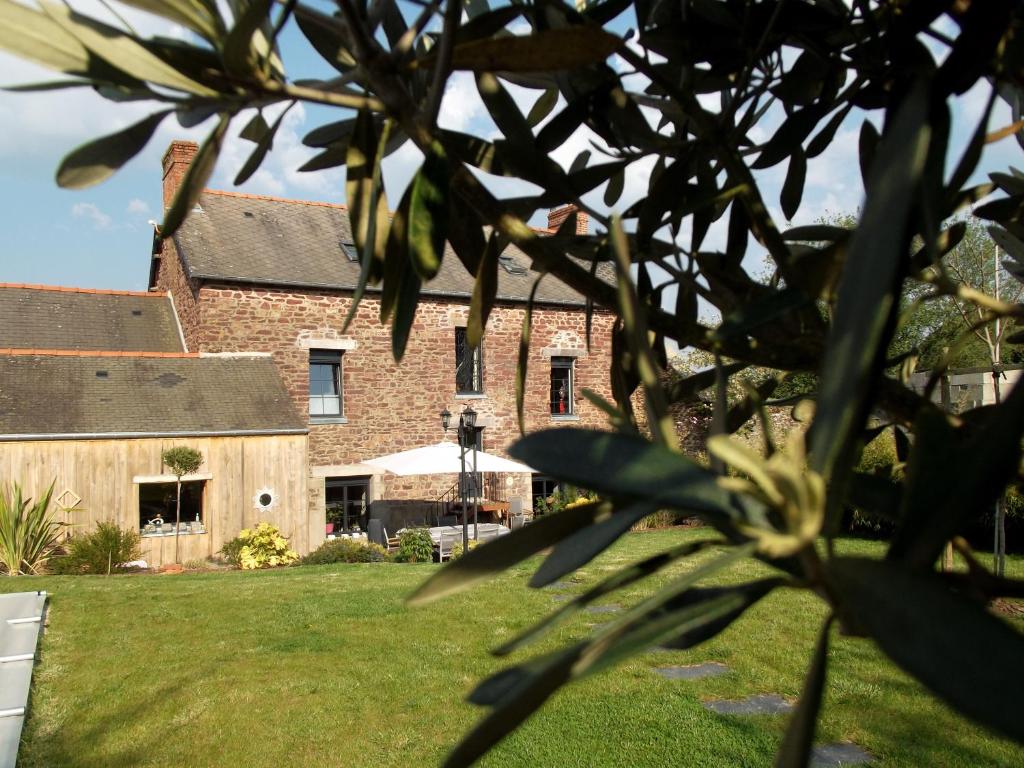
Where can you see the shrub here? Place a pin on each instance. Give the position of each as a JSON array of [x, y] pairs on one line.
[[104, 550], [661, 519], [457, 549], [564, 497], [28, 533], [346, 551], [259, 547], [415, 546], [194, 564]]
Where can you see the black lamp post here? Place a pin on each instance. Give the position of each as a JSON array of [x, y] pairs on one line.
[[467, 423]]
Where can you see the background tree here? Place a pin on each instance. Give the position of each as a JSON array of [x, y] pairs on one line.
[[181, 461], [784, 76]]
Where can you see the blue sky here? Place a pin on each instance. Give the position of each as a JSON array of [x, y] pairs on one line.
[[100, 237]]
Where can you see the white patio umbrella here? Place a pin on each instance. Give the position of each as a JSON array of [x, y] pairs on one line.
[[442, 459]]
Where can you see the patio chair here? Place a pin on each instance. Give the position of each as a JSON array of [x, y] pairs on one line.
[[448, 540], [390, 542]]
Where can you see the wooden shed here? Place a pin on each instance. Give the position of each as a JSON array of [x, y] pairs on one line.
[[96, 427], [94, 423]]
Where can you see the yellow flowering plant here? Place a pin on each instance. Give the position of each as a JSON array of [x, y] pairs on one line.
[[261, 547]]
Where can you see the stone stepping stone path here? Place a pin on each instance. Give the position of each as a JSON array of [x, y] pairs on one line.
[[558, 585], [597, 609], [562, 598], [693, 671], [759, 704], [840, 754]]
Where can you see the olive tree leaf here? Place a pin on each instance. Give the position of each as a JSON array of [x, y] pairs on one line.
[[32, 35], [328, 36], [621, 578], [935, 511], [428, 212], [263, 145], [255, 129], [523, 358], [795, 751], [495, 556], [793, 188], [485, 290], [368, 205], [586, 544], [99, 159], [542, 106], [958, 649], [241, 54], [122, 50], [545, 51], [867, 291], [628, 467], [201, 17]]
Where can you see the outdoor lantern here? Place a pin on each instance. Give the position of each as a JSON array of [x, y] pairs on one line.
[[469, 418], [446, 419]]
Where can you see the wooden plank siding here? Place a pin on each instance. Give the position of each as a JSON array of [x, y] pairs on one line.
[[101, 472]]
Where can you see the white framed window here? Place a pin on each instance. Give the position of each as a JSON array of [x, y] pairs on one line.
[[561, 399]]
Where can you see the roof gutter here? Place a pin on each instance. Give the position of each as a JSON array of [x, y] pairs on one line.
[[135, 435]]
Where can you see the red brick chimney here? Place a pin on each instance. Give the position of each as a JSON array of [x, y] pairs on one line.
[[557, 215], [177, 159]]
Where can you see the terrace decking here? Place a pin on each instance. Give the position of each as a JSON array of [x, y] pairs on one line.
[[21, 622]]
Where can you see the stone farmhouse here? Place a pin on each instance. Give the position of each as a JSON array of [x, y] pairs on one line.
[[257, 289]]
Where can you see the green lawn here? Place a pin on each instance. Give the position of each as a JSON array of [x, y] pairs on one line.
[[326, 666]]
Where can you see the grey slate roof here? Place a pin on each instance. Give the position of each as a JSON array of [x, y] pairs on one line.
[[52, 318], [62, 396], [254, 239]]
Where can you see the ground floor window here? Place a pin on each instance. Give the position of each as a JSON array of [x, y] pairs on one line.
[[346, 499], [543, 486], [157, 508]]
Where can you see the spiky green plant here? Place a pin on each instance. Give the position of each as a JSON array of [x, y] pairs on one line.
[[28, 532]]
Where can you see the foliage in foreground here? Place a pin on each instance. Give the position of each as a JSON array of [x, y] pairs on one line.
[[29, 534], [415, 546], [346, 551], [787, 75], [261, 547], [104, 550]]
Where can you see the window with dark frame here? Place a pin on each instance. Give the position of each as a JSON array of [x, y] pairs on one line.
[[346, 499], [469, 379], [157, 503], [325, 399], [561, 386], [542, 487]]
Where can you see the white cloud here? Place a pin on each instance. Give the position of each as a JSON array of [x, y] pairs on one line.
[[91, 212], [461, 106], [138, 206]]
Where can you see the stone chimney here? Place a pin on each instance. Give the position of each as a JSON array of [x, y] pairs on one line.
[[177, 159], [557, 215]]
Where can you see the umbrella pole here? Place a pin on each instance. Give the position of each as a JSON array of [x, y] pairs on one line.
[[476, 494], [462, 490]]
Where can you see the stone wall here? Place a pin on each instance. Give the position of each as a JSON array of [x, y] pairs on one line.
[[171, 277], [391, 407]]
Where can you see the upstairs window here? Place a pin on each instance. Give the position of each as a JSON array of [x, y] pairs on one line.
[[325, 384], [561, 386], [469, 379]]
